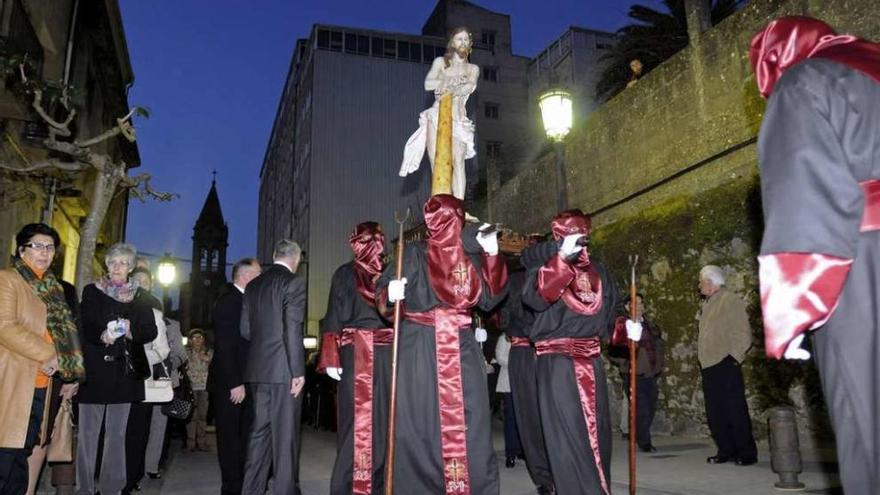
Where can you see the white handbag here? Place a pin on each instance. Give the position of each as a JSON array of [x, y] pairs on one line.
[[157, 388]]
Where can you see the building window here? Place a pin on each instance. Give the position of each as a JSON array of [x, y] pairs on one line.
[[493, 150], [390, 48], [203, 261], [403, 50], [330, 40], [488, 39], [490, 110], [336, 41], [490, 74]]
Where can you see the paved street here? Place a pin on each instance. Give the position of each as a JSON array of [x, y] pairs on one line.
[[678, 467]]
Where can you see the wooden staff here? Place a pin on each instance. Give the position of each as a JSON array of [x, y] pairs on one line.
[[633, 349], [392, 402]]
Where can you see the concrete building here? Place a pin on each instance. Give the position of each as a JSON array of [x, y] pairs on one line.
[[82, 44], [351, 100]]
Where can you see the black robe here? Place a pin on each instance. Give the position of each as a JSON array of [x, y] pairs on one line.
[[418, 462], [819, 139], [565, 432], [517, 321], [346, 308]]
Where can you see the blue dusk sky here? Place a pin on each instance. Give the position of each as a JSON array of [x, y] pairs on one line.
[[211, 73]]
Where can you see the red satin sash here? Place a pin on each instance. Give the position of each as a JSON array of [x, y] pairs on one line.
[[520, 342], [871, 215], [582, 351], [450, 393], [363, 340]]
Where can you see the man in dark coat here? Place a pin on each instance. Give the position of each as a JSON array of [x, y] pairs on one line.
[[820, 164], [517, 319], [272, 315], [356, 351], [573, 298], [649, 365], [440, 367], [232, 405]]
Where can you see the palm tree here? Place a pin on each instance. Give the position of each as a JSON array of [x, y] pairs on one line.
[[653, 38]]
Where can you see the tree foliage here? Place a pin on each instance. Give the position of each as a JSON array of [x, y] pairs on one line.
[[652, 38]]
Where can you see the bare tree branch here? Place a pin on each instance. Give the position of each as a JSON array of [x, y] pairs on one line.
[[61, 128], [33, 167], [140, 187]]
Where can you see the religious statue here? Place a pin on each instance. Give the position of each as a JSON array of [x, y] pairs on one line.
[[444, 129]]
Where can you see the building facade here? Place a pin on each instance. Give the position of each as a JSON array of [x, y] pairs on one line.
[[81, 44], [350, 101]]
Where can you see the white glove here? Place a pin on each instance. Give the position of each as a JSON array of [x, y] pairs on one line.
[[397, 290], [335, 373], [633, 330], [569, 245], [794, 351], [489, 242], [480, 334]]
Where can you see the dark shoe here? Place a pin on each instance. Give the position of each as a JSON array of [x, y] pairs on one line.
[[625, 436], [521, 457], [546, 490], [746, 461], [718, 459], [510, 462], [155, 476], [647, 448]]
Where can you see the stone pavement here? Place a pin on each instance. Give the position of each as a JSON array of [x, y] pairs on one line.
[[678, 467]]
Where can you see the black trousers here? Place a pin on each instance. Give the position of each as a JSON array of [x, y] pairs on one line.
[[727, 410], [232, 422], [646, 406], [274, 440], [512, 445], [137, 433], [13, 462]]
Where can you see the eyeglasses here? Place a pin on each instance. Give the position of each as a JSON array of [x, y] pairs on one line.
[[36, 246], [118, 263]]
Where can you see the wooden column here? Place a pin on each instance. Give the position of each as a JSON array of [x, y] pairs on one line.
[[441, 182]]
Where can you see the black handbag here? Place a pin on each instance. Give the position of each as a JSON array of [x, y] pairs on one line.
[[135, 359], [180, 407]]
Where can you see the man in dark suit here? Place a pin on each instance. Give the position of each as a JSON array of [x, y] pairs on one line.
[[232, 406], [271, 319]]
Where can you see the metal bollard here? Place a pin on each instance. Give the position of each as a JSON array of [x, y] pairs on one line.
[[785, 454]]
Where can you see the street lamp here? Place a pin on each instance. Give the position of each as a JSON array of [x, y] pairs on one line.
[[556, 113], [166, 273]]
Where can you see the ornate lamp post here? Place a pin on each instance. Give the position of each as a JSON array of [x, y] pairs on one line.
[[166, 273], [556, 112]]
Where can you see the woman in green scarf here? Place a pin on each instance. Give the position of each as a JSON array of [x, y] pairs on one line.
[[38, 338]]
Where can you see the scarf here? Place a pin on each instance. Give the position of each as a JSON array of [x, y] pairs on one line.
[[790, 40], [453, 277], [59, 321], [584, 294], [368, 243], [123, 292]]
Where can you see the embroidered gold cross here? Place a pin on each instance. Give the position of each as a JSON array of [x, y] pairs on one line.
[[362, 460], [454, 468], [460, 273]]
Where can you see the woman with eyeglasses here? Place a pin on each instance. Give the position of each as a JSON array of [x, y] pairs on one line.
[[116, 323], [38, 339]]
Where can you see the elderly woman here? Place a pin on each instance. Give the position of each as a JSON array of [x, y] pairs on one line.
[[199, 359], [37, 339], [115, 324]]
